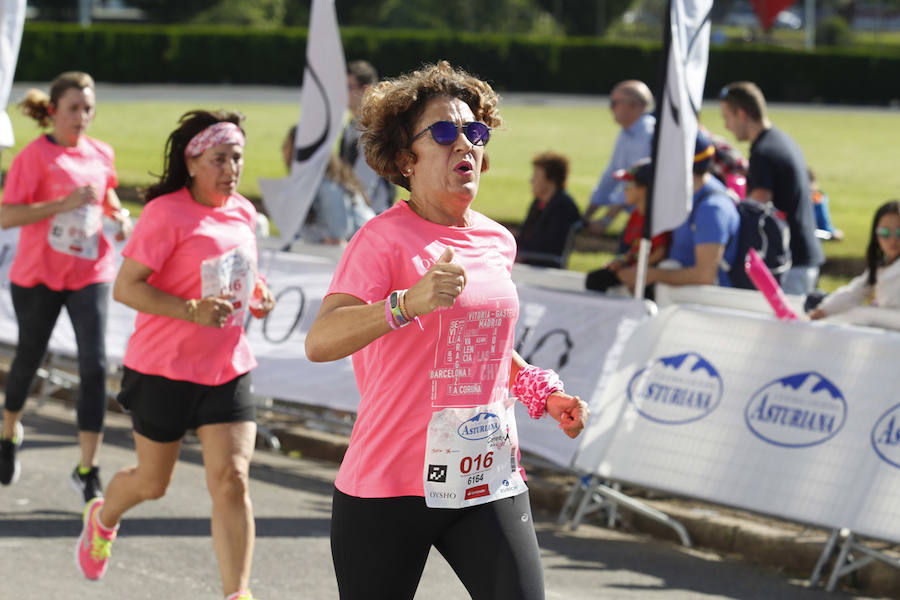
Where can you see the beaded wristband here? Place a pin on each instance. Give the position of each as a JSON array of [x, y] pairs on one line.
[[192, 311], [402, 299], [533, 386]]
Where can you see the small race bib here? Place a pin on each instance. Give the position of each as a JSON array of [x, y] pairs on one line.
[[472, 456], [232, 275], [77, 232]]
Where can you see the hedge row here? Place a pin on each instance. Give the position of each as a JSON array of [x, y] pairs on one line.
[[130, 54]]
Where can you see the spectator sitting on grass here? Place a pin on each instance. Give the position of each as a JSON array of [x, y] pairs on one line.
[[880, 282], [636, 179], [708, 237], [631, 103], [552, 215]]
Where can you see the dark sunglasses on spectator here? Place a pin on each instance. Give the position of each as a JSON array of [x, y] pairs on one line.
[[885, 233], [446, 132]]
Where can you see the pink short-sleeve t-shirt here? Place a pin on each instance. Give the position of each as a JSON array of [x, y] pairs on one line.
[[187, 243], [462, 358], [67, 251]]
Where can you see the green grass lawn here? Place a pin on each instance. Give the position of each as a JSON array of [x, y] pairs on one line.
[[850, 149]]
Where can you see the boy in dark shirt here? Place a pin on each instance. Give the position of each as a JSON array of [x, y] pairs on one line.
[[778, 175], [636, 180]]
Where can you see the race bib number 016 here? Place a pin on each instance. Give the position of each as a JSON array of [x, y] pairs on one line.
[[472, 456]]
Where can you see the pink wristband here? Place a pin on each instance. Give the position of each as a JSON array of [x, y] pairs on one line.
[[533, 386], [389, 316]]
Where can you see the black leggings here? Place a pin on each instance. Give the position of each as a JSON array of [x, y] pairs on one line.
[[379, 547], [37, 309]]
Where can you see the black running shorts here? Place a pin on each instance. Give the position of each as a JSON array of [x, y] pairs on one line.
[[163, 409]]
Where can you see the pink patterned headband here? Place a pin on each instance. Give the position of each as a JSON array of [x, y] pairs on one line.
[[223, 132]]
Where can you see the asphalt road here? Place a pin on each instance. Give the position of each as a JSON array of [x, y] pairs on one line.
[[164, 550]]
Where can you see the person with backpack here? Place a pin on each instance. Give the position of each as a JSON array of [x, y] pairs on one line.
[[636, 180], [777, 175], [705, 245]]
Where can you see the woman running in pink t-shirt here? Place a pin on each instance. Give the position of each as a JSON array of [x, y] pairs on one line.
[[424, 301], [190, 272], [59, 188]]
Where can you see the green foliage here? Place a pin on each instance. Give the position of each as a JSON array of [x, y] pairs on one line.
[[231, 54], [500, 16], [296, 13], [833, 31], [254, 13], [173, 11], [585, 17]]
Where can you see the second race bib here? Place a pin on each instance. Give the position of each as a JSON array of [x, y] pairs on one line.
[[77, 232], [232, 275]]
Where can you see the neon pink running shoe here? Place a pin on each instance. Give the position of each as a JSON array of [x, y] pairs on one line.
[[241, 595], [93, 547]]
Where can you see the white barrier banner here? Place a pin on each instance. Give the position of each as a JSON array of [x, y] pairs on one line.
[[577, 334], [791, 419]]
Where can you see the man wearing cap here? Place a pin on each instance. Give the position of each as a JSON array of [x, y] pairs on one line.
[[707, 239], [778, 175], [630, 103], [636, 181]]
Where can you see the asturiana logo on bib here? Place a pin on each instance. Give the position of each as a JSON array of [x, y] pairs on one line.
[[676, 389], [799, 410], [480, 426], [886, 436]]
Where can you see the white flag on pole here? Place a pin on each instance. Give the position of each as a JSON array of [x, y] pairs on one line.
[[680, 103], [12, 20], [323, 102]]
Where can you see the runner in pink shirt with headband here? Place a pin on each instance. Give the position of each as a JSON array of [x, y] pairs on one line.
[[190, 272], [424, 302], [59, 188]]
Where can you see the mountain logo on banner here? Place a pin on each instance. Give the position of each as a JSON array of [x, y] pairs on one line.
[[674, 390], [480, 426], [797, 411], [886, 436]]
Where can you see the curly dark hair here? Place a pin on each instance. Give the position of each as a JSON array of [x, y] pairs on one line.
[[175, 172], [391, 108], [874, 255]]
